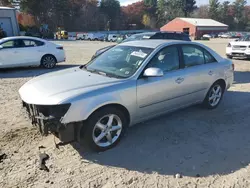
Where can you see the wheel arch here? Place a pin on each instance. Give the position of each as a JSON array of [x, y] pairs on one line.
[[49, 55], [116, 105], [222, 82]]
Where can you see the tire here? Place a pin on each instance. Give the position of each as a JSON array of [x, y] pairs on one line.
[[48, 61], [214, 96], [91, 131]]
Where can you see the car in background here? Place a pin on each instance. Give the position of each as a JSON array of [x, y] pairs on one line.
[[146, 36], [112, 37], [130, 83], [239, 48], [24, 51], [207, 36], [81, 36], [225, 35], [121, 38]]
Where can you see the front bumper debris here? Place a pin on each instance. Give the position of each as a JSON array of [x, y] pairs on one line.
[[49, 123]]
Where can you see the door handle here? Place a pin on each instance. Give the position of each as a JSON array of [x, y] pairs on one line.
[[211, 73], [15, 52], [179, 80]]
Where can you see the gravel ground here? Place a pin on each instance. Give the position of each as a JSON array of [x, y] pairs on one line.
[[208, 148]]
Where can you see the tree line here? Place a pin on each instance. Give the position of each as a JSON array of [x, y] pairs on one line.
[[94, 15]]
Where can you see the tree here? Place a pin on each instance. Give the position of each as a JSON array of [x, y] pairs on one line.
[[214, 9], [111, 9], [174, 8], [161, 12], [201, 12], [239, 14], [146, 20], [188, 7], [151, 11], [7, 3], [225, 14], [132, 14]]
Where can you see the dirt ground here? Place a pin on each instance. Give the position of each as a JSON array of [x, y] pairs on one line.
[[210, 148]]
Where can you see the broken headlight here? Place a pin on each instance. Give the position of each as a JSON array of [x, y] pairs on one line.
[[56, 111]]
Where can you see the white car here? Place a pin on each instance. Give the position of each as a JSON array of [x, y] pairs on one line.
[[207, 36], [225, 35], [239, 48], [112, 37], [81, 36], [29, 51]]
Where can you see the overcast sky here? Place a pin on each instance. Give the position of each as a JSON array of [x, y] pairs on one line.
[[199, 2]]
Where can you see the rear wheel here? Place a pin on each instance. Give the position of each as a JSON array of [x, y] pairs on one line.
[[214, 96], [104, 129], [48, 61]]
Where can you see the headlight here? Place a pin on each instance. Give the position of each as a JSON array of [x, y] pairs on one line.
[[57, 111], [229, 45]]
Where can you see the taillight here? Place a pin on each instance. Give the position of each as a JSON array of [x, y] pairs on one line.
[[229, 45], [59, 48]]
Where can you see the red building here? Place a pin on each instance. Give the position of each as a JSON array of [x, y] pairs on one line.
[[195, 27]]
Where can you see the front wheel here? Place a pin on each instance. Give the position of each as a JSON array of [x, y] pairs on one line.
[[104, 129], [214, 96]]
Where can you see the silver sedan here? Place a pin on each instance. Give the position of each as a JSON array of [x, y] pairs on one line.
[[130, 83]]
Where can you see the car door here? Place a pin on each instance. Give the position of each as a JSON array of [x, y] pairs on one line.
[[11, 54], [6, 54], [198, 72], [158, 94], [32, 51]]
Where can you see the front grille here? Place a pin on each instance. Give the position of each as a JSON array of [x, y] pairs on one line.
[[238, 47], [46, 117]]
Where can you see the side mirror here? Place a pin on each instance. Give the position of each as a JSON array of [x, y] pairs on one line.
[[1, 47], [153, 72]]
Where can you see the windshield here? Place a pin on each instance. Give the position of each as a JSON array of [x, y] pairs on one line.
[[120, 61], [138, 37], [245, 38]]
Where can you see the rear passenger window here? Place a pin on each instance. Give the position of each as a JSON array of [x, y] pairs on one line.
[[193, 55], [32, 43], [208, 57]]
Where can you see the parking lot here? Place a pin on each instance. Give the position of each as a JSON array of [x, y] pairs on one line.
[[210, 148]]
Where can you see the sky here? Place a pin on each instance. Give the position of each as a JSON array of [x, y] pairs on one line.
[[198, 2]]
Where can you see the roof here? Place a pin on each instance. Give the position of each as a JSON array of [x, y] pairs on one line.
[[20, 37], [203, 22], [7, 8], [150, 43]]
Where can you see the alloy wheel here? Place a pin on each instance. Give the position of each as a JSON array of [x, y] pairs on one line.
[[215, 95], [107, 130]]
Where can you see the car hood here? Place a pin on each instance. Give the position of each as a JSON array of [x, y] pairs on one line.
[[240, 43], [54, 88]]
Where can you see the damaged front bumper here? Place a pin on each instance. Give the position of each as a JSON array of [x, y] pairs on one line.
[[47, 118]]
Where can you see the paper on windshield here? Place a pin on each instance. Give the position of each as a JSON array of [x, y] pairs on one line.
[[139, 54]]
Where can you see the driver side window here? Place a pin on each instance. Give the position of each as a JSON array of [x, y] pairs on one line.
[[166, 59]]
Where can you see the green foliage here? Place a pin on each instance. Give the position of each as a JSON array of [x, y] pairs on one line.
[[239, 14], [161, 12], [214, 9], [111, 8]]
